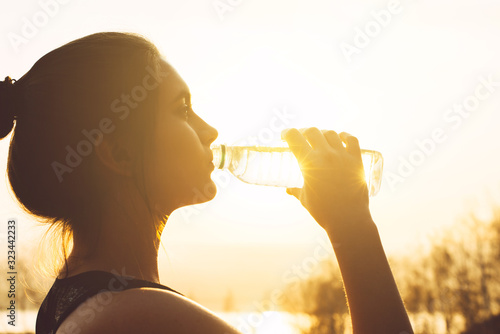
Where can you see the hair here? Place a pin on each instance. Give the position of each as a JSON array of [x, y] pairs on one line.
[[68, 91]]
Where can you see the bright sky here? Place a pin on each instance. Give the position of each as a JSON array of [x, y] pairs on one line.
[[258, 59]]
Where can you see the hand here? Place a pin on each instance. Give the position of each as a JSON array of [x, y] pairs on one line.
[[336, 195], [335, 191]]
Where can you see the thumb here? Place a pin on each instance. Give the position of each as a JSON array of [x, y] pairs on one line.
[[293, 191]]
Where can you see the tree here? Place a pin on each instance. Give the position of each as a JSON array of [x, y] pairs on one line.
[[322, 298]]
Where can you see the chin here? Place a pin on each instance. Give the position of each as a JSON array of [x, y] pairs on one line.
[[205, 193], [198, 194]]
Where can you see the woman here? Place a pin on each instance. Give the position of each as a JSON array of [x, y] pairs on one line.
[[106, 147]]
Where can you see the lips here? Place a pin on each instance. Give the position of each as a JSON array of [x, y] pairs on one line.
[[211, 162]]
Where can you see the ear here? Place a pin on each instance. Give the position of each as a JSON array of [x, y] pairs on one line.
[[115, 155]]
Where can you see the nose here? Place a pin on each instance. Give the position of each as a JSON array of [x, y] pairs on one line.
[[208, 133]]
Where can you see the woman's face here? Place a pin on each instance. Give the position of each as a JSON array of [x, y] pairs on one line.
[[182, 159]]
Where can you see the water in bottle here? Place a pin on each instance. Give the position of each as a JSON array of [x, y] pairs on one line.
[[277, 166]]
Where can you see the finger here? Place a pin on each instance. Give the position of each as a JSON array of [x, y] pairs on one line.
[[315, 138], [297, 143], [333, 139], [352, 143]]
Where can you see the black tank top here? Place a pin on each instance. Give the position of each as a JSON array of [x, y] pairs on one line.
[[67, 294]]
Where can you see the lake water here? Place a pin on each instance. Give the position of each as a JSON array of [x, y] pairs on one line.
[[264, 323], [247, 323], [270, 322]]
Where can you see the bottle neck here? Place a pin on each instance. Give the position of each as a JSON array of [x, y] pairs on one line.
[[220, 156]]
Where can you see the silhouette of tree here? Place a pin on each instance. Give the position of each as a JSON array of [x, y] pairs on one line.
[[322, 298], [457, 280]]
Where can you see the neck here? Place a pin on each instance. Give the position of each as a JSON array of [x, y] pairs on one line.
[[128, 243]]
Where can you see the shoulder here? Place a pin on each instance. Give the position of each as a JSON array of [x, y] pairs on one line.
[[143, 310]]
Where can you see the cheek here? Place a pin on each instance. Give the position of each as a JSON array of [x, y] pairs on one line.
[[178, 184], [177, 176], [172, 169]]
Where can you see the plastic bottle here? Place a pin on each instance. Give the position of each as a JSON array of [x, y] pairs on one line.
[[277, 166]]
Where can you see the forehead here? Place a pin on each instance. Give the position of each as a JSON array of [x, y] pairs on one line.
[[173, 87]]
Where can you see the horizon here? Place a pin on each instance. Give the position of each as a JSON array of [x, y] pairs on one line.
[[423, 90]]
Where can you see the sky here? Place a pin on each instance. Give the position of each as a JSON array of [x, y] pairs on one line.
[[417, 80]]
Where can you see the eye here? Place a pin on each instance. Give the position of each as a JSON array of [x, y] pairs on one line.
[[185, 111]]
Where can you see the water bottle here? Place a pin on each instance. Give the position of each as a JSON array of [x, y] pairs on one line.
[[277, 166]]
